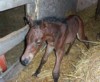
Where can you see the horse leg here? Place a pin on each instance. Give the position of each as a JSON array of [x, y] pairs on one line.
[[59, 55], [69, 47], [48, 50], [81, 35], [97, 10], [80, 38]]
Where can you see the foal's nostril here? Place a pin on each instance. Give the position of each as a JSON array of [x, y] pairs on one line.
[[25, 62]]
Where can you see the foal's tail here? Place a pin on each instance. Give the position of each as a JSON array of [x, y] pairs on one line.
[[81, 34], [87, 41]]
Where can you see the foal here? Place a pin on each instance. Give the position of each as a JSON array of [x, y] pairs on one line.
[[57, 33]]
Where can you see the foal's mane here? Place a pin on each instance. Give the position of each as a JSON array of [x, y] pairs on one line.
[[54, 19], [50, 20]]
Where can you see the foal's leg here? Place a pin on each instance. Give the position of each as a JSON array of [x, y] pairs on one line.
[[83, 37], [56, 71], [69, 47], [48, 50], [81, 34]]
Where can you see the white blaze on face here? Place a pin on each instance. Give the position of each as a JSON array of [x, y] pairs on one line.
[[31, 56], [38, 33]]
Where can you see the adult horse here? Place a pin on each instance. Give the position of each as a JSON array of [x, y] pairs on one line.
[[57, 33]]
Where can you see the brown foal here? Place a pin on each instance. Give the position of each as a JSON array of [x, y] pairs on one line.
[[57, 33]]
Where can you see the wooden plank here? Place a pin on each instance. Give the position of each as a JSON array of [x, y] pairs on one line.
[[1, 79], [8, 4], [11, 40], [13, 71]]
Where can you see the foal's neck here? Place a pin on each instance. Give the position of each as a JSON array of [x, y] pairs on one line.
[[51, 33]]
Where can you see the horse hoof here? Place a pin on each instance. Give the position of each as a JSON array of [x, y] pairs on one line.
[[35, 75]]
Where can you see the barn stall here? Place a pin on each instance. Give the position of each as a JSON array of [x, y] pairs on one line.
[[15, 22]]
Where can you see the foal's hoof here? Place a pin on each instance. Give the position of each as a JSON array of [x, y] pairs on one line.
[[35, 75]]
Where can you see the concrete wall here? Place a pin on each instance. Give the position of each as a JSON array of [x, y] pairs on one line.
[[82, 4], [59, 8]]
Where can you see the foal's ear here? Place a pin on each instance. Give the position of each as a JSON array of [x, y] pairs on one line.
[[28, 20]]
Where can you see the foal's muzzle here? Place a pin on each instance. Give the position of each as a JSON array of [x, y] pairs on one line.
[[25, 61]]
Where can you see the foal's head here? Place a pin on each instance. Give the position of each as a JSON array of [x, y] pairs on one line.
[[33, 40]]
